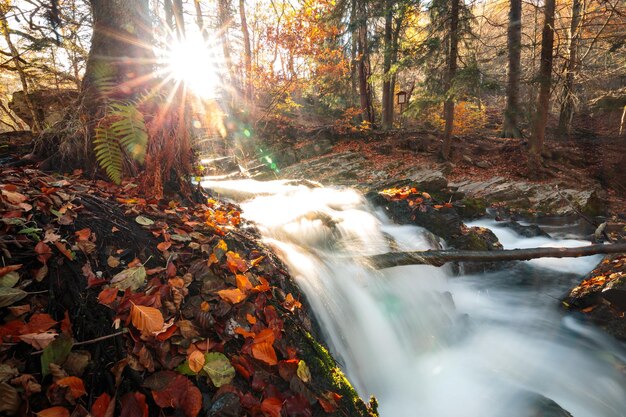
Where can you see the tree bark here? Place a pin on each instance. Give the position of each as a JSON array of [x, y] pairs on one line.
[[441, 257], [448, 107], [177, 9], [567, 101], [365, 93], [545, 82], [15, 55], [247, 54], [387, 116], [514, 42]]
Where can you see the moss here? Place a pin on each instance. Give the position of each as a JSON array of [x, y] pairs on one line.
[[327, 376], [472, 207]]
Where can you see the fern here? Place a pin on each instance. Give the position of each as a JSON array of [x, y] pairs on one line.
[[127, 132], [108, 154]]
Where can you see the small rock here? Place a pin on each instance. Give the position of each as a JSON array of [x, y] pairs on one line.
[[483, 164]]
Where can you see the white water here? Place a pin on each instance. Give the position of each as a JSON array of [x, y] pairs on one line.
[[423, 342]]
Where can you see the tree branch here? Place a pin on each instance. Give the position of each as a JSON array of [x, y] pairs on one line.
[[441, 257]]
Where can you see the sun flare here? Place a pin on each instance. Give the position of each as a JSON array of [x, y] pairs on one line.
[[192, 62]]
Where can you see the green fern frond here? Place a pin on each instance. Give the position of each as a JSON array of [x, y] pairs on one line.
[[108, 154], [130, 129]]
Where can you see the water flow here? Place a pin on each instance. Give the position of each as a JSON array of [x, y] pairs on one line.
[[423, 342]]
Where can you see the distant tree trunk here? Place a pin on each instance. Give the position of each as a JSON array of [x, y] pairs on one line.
[[545, 82], [247, 54], [353, 53], [567, 102], [365, 93], [168, 7], [37, 123], [448, 107], [387, 101], [200, 20], [514, 42], [179, 18], [223, 16]]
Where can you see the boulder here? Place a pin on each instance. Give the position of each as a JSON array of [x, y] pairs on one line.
[[51, 106], [531, 230]]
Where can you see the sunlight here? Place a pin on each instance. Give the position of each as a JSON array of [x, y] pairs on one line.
[[192, 62]]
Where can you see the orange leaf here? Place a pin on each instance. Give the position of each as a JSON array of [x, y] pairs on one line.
[[233, 296], [163, 246], [291, 303], [146, 319], [176, 282], [76, 385], [271, 407], [251, 319], [107, 296], [38, 323], [263, 286], [235, 263], [101, 405], [83, 234], [264, 351], [425, 195], [243, 332], [63, 249], [243, 283], [6, 269], [196, 361], [54, 412]]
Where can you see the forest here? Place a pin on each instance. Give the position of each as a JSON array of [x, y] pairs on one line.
[[313, 207]]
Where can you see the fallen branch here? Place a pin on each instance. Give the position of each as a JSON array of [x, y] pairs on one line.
[[441, 257]]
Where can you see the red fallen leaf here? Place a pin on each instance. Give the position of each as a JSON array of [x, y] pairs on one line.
[[271, 407], [448, 205], [100, 407], [264, 351], [163, 246], [170, 389], [170, 270], [54, 412], [38, 323], [43, 251], [134, 404], [12, 328], [135, 262], [328, 401], [243, 366], [83, 234], [167, 333], [63, 249], [6, 269], [66, 324], [107, 296], [76, 386], [297, 406]]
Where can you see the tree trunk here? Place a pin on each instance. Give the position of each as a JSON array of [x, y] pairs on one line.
[[514, 42], [441, 257], [168, 7], [177, 9], [567, 102], [15, 56], [448, 107], [365, 93], [545, 82], [247, 54], [387, 101], [353, 54]]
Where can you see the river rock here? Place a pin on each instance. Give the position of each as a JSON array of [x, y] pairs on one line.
[[531, 230], [601, 296]]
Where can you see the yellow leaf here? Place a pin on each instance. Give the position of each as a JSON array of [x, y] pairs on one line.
[[233, 296]]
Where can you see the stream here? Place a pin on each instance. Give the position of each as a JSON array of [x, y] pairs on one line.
[[428, 343]]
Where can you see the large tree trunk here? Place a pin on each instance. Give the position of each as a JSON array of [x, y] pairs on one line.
[[448, 107], [387, 119], [365, 93], [567, 101], [514, 42], [247, 54], [545, 82], [15, 57]]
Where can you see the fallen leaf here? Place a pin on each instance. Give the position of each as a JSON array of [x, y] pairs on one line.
[[235, 263], [219, 368], [39, 322], [113, 262], [43, 252], [144, 221], [163, 246], [131, 278], [271, 406], [6, 269], [146, 319], [19, 310], [63, 249], [54, 412], [233, 296], [102, 406], [56, 352], [14, 197], [303, 371], [38, 340], [76, 386], [196, 361], [83, 234], [8, 296], [170, 389], [9, 280], [133, 404], [243, 283], [107, 295], [9, 399]]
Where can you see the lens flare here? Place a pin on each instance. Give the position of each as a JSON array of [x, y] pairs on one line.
[[192, 62]]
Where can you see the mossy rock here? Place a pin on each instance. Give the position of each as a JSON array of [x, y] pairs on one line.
[[471, 208]]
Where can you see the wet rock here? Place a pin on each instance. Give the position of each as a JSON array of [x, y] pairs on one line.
[[541, 406], [527, 231], [50, 105], [601, 296], [483, 164]]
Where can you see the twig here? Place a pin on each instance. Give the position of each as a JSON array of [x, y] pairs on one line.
[[88, 342]]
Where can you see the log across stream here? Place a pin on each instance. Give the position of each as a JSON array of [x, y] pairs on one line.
[[425, 342]]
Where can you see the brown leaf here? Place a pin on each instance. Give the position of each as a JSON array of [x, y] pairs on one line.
[[43, 251], [134, 404], [14, 197], [174, 390], [146, 319]]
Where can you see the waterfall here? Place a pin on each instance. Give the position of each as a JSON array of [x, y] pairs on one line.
[[425, 342]]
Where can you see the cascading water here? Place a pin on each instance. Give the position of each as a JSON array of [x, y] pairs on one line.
[[424, 343]]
